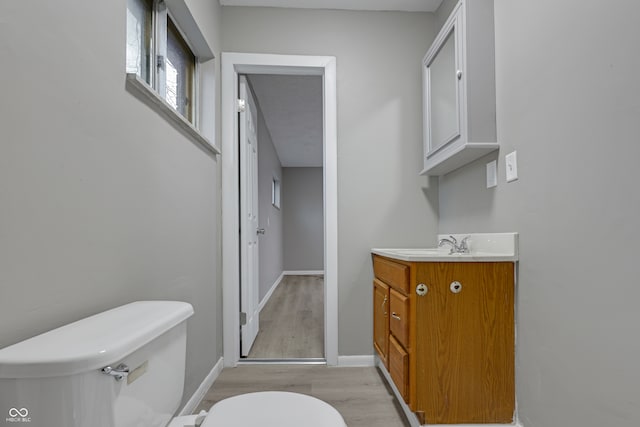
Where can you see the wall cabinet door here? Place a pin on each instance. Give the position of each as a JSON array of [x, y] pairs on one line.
[[465, 345], [442, 78], [381, 320]]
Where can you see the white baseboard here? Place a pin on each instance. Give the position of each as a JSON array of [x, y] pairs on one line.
[[356, 361], [303, 272], [208, 381], [270, 292]]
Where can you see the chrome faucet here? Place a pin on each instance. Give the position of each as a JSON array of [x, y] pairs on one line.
[[462, 248]]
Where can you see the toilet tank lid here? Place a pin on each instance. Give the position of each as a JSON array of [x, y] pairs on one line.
[[93, 342]]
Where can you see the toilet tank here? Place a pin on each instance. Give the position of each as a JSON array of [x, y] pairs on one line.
[[56, 379]]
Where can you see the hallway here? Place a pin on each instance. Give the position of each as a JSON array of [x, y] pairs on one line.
[[292, 322]]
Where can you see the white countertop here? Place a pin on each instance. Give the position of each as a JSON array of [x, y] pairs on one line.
[[483, 247]]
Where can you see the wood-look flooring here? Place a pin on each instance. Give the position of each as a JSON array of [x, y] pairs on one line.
[[292, 321], [359, 394]]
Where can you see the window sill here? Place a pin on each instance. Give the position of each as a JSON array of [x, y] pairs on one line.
[[141, 90]]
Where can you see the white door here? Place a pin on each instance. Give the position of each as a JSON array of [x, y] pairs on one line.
[[248, 219]]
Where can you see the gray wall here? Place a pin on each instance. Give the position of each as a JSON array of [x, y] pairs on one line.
[[103, 202], [381, 200], [302, 214], [568, 101], [269, 217]]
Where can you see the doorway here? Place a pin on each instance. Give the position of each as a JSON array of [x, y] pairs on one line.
[[234, 65], [282, 239]]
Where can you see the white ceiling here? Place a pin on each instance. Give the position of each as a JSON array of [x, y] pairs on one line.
[[292, 110], [402, 5]]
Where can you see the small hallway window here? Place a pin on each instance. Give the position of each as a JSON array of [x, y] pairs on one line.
[[275, 192]]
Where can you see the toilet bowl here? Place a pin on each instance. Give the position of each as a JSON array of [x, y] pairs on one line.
[[125, 367], [273, 408]]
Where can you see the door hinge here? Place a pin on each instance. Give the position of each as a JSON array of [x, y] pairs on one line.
[[243, 318], [241, 105]]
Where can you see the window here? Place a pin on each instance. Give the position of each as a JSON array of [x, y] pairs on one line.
[[171, 67], [152, 33], [180, 69], [275, 192], [139, 30]]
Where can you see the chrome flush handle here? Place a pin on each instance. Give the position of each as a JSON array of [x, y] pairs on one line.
[[119, 373]]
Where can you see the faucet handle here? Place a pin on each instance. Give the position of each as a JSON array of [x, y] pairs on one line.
[[463, 244], [453, 239]]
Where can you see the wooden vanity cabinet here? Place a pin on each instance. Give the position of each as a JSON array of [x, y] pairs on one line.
[[457, 341]]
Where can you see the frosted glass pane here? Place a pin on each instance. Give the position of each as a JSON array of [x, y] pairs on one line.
[[443, 81], [180, 67], [139, 38]]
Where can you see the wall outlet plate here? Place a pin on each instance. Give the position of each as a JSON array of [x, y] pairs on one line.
[[511, 166]]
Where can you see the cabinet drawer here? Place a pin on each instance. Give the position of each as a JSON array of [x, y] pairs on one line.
[[399, 367], [399, 319], [392, 273]]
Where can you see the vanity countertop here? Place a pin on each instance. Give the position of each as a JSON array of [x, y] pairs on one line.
[[483, 247]]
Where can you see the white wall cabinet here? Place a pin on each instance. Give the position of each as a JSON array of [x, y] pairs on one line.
[[459, 101]]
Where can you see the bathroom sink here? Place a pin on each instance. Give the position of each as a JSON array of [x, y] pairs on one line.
[[483, 247]]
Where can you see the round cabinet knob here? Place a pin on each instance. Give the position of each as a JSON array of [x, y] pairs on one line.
[[456, 287], [459, 74], [421, 289]]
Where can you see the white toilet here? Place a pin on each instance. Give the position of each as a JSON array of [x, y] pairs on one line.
[[125, 368]]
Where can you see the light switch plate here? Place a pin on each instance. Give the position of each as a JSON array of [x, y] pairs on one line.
[[511, 166], [492, 174]]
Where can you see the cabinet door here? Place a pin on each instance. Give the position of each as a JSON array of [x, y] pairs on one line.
[[399, 367], [465, 345], [381, 320]]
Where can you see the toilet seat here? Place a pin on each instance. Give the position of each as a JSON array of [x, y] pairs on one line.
[[273, 409]]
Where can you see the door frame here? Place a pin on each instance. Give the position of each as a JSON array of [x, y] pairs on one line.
[[233, 64]]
